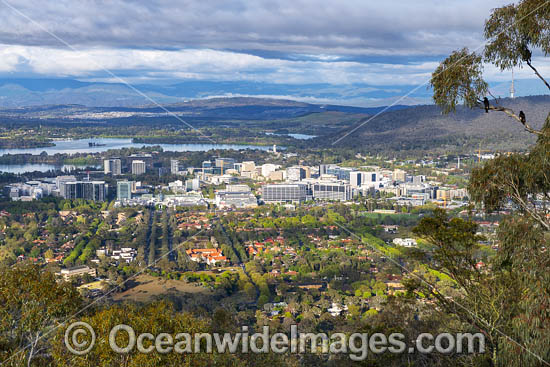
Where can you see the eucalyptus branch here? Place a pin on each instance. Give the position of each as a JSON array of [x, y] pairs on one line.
[[525, 206], [473, 317], [512, 114], [495, 98], [538, 74]]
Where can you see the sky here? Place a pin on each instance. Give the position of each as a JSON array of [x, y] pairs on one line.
[[362, 52]]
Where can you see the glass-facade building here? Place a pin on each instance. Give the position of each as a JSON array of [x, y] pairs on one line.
[[89, 190], [124, 190], [331, 191], [285, 193]]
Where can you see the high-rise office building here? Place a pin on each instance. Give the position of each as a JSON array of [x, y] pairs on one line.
[[341, 173], [284, 193], [112, 166], [399, 175], [89, 190], [223, 164], [417, 180], [138, 167], [295, 173], [331, 191], [107, 166], [61, 179], [174, 166], [371, 177], [192, 185], [144, 157], [124, 190], [226, 163], [356, 178]]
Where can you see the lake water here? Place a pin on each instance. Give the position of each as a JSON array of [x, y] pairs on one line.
[[40, 167], [81, 146], [295, 136]]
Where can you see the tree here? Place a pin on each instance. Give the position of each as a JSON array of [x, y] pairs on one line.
[[49, 254], [155, 318], [508, 300], [32, 303], [513, 32], [458, 78], [485, 300]]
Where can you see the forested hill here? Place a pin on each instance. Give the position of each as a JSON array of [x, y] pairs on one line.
[[400, 130], [425, 128]]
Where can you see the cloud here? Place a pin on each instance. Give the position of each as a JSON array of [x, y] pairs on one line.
[[205, 64], [366, 52], [316, 27]]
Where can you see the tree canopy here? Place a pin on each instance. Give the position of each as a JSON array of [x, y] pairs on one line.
[[506, 296]]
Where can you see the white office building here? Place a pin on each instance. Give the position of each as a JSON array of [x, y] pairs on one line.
[[112, 166], [237, 196], [174, 166], [268, 168], [295, 173], [192, 185], [356, 178], [138, 167]]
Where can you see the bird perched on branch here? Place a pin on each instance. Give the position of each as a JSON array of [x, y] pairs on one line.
[[522, 117], [525, 53], [486, 104]]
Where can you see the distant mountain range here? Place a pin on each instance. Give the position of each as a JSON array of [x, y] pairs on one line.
[[400, 128], [239, 108], [21, 92], [41, 91]]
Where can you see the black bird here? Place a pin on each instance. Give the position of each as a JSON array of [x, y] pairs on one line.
[[525, 54], [522, 117], [486, 104]]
